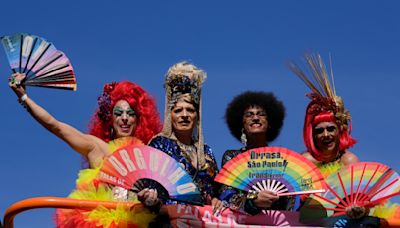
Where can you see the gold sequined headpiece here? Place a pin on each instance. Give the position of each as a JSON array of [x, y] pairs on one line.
[[184, 80]]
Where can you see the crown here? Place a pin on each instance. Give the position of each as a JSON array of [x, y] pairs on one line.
[[184, 78]]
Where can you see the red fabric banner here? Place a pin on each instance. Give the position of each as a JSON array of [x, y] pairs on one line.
[[195, 216]]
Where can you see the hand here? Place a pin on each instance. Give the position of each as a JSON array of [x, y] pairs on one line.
[[15, 84], [218, 206], [149, 197], [356, 212], [265, 199]]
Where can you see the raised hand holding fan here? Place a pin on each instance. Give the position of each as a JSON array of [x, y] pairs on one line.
[[40, 61], [354, 190], [138, 167], [275, 169]]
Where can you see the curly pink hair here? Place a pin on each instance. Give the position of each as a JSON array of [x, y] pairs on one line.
[[148, 124]]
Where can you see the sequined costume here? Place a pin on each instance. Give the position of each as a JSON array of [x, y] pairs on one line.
[[237, 200], [183, 83], [203, 178], [88, 187]]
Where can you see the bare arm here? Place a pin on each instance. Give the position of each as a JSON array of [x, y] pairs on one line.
[[80, 142]]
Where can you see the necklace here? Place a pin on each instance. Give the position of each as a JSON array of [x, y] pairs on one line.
[[188, 151], [335, 158]]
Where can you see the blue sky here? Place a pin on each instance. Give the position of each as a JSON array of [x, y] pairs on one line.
[[242, 46]]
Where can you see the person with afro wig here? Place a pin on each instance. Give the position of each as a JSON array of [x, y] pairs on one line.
[[126, 115], [255, 119]]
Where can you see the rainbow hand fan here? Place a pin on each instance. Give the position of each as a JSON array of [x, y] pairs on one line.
[[40, 61], [272, 168], [137, 167], [363, 184]]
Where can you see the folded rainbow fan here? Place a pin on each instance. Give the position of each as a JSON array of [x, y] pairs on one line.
[[40, 61], [138, 167], [272, 168], [353, 190]]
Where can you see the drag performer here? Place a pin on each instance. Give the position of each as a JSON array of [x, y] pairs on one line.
[[326, 135], [327, 124], [182, 135], [255, 119], [126, 115]]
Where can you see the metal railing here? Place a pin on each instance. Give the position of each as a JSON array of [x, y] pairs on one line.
[[55, 202], [67, 203]]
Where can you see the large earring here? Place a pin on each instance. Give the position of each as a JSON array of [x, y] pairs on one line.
[[112, 133], [243, 138]]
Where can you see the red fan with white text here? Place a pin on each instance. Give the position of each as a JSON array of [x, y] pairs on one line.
[[136, 167]]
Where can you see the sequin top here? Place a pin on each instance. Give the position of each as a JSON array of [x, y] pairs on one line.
[[204, 179]]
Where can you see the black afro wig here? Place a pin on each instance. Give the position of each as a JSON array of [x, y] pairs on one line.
[[273, 107]]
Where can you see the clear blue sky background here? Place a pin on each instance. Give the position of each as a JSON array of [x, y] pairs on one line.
[[243, 45]]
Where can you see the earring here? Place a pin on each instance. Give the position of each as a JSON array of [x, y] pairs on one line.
[[112, 133], [243, 138]]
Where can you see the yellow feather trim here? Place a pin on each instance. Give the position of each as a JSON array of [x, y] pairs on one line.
[[105, 217], [102, 216], [123, 141], [386, 211], [329, 168], [86, 176], [102, 192]]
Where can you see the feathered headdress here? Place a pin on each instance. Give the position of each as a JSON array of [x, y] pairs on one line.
[[184, 79], [323, 101]]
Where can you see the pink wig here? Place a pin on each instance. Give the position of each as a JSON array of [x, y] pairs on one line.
[[313, 119], [148, 123]]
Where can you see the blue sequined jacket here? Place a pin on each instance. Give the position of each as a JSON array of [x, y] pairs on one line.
[[204, 179]]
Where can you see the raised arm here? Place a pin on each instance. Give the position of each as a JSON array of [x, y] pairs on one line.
[[82, 143]]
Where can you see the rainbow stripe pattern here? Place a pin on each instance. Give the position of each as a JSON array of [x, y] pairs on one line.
[[134, 162], [272, 168], [39, 60], [365, 184]]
